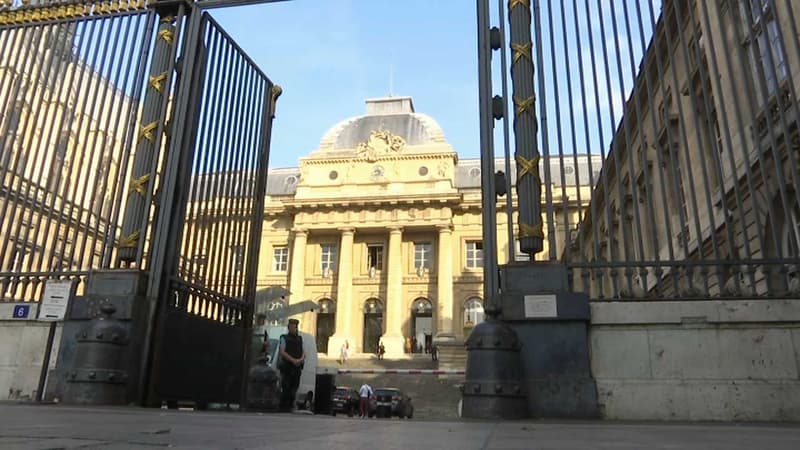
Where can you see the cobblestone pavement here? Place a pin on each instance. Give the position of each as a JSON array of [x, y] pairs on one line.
[[25, 426]]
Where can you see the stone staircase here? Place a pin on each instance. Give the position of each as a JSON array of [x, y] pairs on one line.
[[434, 397]]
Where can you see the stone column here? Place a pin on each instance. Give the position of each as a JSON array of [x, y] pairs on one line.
[[344, 295], [444, 289], [393, 338], [297, 274]]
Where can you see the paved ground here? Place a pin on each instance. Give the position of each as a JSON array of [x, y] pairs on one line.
[[24, 426]]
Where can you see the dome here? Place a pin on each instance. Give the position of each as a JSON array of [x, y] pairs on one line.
[[393, 114]]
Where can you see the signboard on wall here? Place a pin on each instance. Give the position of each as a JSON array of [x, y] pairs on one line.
[[55, 300]]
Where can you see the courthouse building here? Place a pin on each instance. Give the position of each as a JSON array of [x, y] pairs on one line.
[[381, 226]]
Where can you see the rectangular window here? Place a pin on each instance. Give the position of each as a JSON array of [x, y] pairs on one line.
[[423, 255], [375, 256], [768, 51], [237, 258], [328, 258], [280, 259], [474, 254]]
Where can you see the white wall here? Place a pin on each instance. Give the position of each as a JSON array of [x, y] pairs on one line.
[[700, 360], [22, 347]]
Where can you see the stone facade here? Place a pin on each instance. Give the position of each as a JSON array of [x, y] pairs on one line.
[[382, 226]]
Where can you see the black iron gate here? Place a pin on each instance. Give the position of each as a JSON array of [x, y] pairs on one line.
[[210, 219]]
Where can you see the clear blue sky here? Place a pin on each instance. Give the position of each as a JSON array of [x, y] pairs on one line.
[[329, 56]]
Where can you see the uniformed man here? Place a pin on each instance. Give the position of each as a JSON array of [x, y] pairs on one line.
[[291, 364]]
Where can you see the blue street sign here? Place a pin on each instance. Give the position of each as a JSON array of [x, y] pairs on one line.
[[21, 311]]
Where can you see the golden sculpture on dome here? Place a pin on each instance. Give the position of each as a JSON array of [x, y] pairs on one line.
[[380, 142]]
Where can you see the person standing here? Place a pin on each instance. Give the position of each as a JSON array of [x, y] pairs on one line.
[[365, 392], [292, 359]]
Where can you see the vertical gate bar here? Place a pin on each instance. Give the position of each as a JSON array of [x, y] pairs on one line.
[[708, 107], [773, 143], [650, 87], [553, 237], [269, 96], [793, 162], [630, 151], [791, 88], [19, 165], [237, 199], [248, 173], [85, 108], [604, 169], [220, 164], [12, 193], [581, 214], [205, 190], [48, 129], [162, 65], [103, 85], [613, 154], [506, 134], [36, 261], [544, 157], [747, 157], [687, 156], [129, 140], [158, 287], [110, 184], [229, 220], [216, 167], [489, 214], [632, 261], [33, 148], [660, 161], [728, 138], [220, 222], [671, 156], [593, 213], [148, 138], [67, 112]]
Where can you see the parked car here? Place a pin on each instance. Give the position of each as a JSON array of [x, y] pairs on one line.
[[345, 400], [389, 402]]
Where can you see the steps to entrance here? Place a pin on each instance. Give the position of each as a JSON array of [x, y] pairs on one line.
[[433, 396]]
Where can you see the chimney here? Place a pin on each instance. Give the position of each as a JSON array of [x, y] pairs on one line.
[[389, 105]]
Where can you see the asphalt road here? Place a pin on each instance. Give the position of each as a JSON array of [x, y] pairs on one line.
[[26, 426]]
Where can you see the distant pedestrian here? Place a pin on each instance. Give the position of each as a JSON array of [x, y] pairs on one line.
[[365, 392], [381, 350]]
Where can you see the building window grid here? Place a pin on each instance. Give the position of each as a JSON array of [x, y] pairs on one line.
[[328, 257], [474, 250], [280, 259], [423, 255]]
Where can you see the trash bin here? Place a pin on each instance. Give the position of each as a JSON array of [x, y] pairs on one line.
[[325, 386]]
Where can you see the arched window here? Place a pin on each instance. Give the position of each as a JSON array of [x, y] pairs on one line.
[[422, 306], [326, 306], [473, 311], [373, 306]]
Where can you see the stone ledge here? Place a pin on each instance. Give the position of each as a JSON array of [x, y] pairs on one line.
[[696, 400], [703, 311]]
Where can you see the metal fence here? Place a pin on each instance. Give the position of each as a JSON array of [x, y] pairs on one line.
[[692, 109], [71, 89]]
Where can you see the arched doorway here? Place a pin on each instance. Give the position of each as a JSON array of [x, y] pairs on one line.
[[473, 313], [326, 323], [373, 325], [421, 325]]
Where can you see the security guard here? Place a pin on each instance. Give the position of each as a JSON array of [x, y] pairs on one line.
[[291, 364]]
